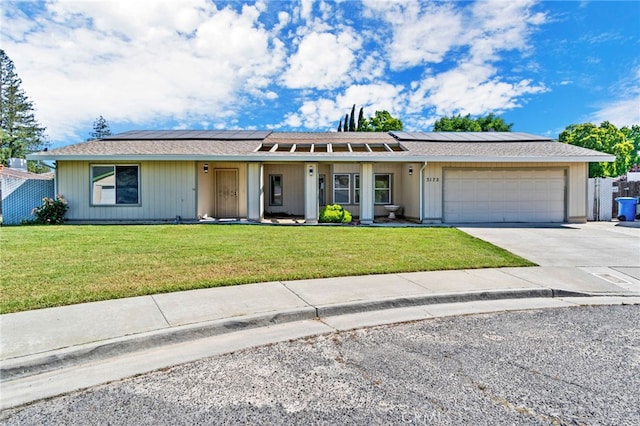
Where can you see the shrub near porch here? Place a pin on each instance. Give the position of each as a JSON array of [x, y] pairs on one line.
[[61, 265]]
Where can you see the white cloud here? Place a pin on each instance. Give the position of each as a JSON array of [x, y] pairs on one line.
[[622, 112], [497, 26], [373, 97], [470, 89], [478, 33], [142, 61], [204, 63], [624, 109], [324, 113], [306, 7], [323, 61], [422, 33]]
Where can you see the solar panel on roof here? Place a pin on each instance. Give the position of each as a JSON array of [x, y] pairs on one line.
[[191, 134], [468, 136]]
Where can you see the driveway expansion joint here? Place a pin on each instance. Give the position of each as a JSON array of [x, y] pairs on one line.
[[160, 310]]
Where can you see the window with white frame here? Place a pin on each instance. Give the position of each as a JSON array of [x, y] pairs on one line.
[[115, 185], [342, 188], [382, 188]]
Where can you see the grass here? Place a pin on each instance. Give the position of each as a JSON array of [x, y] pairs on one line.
[[45, 266]]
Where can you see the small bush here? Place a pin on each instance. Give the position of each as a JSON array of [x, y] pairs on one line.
[[334, 213], [51, 212]]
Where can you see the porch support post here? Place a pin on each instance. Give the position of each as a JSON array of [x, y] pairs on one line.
[[311, 203], [366, 193], [255, 192]]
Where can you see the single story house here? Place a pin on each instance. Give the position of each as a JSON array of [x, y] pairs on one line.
[[436, 177], [21, 191]]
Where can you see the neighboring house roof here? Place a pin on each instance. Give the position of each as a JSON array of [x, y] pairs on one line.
[[238, 145], [23, 174]]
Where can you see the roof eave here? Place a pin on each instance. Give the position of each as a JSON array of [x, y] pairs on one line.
[[227, 157], [522, 159], [324, 158]]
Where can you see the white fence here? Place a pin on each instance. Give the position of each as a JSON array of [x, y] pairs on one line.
[[600, 199]]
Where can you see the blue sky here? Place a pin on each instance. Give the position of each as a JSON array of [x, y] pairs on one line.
[[301, 65]]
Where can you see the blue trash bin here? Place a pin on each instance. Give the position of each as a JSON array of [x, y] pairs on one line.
[[627, 208]]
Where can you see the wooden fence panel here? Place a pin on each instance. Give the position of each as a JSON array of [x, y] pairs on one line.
[[624, 189]]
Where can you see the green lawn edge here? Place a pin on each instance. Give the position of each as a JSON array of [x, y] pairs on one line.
[[48, 266]]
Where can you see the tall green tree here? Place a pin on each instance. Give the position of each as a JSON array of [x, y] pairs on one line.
[[633, 135], [361, 120], [604, 138], [101, 129], [352, 119], [20, 132], [382, 121], [458, 123]]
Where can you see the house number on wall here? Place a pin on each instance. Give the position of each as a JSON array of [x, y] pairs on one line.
[[433, 179]]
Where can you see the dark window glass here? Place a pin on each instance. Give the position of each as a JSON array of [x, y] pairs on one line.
[[275, 190], [114, 185]]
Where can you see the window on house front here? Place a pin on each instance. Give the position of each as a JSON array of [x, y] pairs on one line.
[[275, 190], [115, 185], [356, 189], [382, 189], [341, 188]]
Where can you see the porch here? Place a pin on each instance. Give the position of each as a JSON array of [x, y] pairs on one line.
[[295, 192]]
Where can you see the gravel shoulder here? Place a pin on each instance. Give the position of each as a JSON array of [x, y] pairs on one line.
[[566, 366]]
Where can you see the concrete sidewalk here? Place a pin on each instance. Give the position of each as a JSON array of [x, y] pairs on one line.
[[37, 341]]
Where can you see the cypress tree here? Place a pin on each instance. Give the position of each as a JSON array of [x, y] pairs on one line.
[[345, 128], [352, 121], [360, 120], [340, 125]]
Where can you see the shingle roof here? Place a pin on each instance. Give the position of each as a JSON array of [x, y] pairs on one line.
[[23, 174], [336, 146], [497, 150], [160, 147]]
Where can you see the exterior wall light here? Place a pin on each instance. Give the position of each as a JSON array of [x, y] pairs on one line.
[[206, 167], [310, 170], [410, 170]]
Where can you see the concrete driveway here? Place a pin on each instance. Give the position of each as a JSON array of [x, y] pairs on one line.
[[590, 244]]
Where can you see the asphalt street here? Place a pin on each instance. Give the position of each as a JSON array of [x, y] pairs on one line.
[[578, 365]]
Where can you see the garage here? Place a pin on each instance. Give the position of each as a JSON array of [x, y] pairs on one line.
[[504, 195]]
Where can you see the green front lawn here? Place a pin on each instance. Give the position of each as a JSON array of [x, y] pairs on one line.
[[44, 266]]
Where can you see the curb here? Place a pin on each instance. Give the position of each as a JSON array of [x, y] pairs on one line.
[[30, 365]]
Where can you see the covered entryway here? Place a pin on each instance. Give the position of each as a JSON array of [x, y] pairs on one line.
[[504, 195], [227, 193]]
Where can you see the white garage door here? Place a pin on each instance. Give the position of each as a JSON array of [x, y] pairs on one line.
[[474, 196]]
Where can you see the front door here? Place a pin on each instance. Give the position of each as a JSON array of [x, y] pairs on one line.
[[227, 193]]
